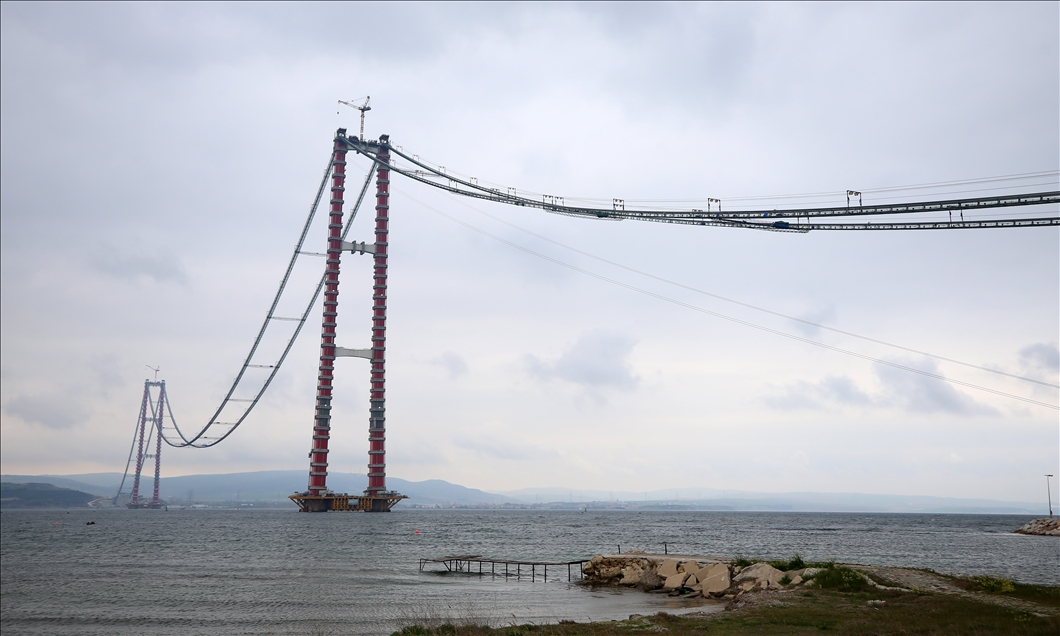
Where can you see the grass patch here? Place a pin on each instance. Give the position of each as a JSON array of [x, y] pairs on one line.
[[879, 580], [809, 611], [794, 563], [992, 584], [841, 579], [900, 613], [1042, 594]]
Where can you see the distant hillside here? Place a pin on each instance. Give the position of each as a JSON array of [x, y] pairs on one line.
[[792, 501], [738, 500], [268, 485], [276, 485], [99, 484], [38, 495]]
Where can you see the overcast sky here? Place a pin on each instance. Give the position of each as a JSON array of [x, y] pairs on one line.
[[158, 161]]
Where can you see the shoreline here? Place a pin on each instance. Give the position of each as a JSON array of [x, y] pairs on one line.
[[847, 598]]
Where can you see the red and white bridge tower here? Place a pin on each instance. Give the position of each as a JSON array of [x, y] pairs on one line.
[[376, 498]]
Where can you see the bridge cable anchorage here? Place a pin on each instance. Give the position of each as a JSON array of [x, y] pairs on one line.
[[208, 441], [746, 323], [741, 218], [738, 302]]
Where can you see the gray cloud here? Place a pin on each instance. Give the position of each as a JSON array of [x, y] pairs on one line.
[[1041, 357], [835, 390], [508, 449], [453, 363], [901, 390], [922, 394], [598, 361], [843, 390], [793, 397], [821, 316], [108, 377], [133, 264], [47, 410]]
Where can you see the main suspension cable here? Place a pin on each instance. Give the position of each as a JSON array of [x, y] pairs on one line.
[[788, 220], [746, 323], [748, 305]]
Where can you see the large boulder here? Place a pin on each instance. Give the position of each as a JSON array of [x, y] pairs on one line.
[[710, 570], [668, 568], [616, 570], [592, 564], [690, 566], [675, 581], [714, 578], [762, 574], [602, 571], [649, 580], [631, 575]]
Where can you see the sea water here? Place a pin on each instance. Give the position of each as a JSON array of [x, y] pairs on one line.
[[277, 572]]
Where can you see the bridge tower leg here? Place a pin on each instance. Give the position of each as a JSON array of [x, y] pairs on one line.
[[155, 502], [377, 413], [318, 455], [135, 502]]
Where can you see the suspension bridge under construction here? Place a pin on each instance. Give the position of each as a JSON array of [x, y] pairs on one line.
[[247, 391]]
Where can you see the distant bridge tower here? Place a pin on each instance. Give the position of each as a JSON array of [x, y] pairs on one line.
[[149, 428]]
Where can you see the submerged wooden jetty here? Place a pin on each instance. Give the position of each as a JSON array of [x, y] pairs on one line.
[[505, 567]]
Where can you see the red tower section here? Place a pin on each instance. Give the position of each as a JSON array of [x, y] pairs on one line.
[[318, 455], [377, 416]]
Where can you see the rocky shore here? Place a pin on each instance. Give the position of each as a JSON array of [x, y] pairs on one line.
[[1048, 526], [690, 576]]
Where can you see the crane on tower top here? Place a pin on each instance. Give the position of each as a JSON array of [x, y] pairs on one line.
[[363, 108]]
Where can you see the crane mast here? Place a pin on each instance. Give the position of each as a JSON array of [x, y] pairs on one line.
[[363, 108]]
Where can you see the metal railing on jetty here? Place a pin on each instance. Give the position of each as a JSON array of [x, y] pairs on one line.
[[464, 563]]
